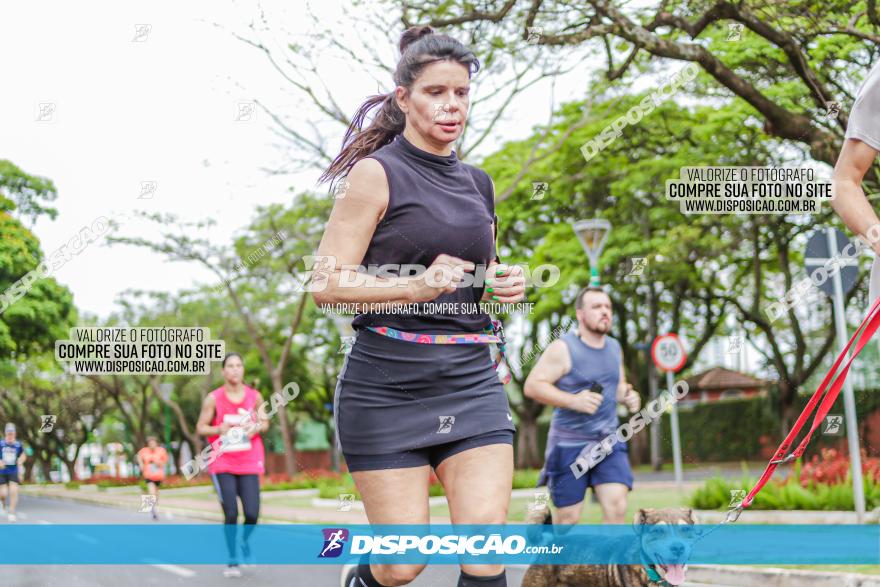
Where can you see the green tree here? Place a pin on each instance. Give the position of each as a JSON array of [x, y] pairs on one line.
[[37, 387], [262, 276], [788, 61], [30, 319]]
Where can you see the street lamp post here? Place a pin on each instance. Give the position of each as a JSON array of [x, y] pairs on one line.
[[87, 420], [592, 233]]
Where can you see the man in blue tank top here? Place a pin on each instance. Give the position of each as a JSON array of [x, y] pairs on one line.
[[11, 460], [581, 375]]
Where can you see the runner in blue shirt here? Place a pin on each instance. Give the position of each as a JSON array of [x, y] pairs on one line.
[[11, 459]]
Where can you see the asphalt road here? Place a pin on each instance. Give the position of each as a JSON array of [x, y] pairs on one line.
[[37, 510]]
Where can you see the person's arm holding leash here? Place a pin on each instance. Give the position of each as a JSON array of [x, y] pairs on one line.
[[860, 148], [850, 202], [540, 385]]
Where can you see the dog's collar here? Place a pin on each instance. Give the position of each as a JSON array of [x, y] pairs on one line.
[[653, 575]]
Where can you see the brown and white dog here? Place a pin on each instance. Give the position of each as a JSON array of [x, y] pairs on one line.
[[665, 537]]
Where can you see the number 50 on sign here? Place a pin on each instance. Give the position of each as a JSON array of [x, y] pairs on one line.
[[668, 352]]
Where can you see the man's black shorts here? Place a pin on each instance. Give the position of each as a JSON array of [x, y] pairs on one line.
[[9, 477]]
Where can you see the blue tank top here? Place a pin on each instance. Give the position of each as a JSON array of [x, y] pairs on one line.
[[436, 204], [9, 453], [589, 366]]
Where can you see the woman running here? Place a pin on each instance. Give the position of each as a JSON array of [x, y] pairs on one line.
[[151, 460], [403, 408], [228, 413]]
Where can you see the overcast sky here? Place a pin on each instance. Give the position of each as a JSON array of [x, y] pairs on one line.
[[109, 101]]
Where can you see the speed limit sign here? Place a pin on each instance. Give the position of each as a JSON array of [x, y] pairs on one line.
[[668, 352]]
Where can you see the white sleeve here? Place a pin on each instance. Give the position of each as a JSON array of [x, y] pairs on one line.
[[864, 119]]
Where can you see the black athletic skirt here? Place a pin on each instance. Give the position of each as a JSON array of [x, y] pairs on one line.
[[393, 395]]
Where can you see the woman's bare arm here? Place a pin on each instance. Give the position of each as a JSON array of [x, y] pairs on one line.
[[348, 233], [346, 238], [203, 426]]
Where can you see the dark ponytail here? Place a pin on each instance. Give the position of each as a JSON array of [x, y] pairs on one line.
[[229, 356], [419, 46]]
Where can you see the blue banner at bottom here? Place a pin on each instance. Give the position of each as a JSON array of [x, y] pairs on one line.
[[290, 544]]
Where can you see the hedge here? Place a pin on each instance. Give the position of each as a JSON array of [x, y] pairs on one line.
[[731, 430]]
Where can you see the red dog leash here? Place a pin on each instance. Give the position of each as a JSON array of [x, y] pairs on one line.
[[863, 333]]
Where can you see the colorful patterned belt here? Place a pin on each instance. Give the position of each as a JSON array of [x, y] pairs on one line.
[[492, 335]]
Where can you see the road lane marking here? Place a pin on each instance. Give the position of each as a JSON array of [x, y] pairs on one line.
[[85, 538], [176, 570]]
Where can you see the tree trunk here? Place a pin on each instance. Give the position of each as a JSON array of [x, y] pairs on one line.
[[71, 468], [175, 454], [46, 467], [787, 418], [637, 449], [527, 456], [195, 441], [289, 460]]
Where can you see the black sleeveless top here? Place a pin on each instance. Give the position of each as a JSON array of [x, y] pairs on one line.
[[436, 205]]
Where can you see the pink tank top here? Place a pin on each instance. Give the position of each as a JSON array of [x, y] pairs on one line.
[[241, 456]]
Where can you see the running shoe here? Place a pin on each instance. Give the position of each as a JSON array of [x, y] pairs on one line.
[[247, 557], [11, 517], [232, 571]]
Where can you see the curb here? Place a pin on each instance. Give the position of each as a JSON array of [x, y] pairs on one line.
[[749, 576]]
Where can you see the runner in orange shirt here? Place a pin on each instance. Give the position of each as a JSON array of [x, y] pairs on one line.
[[151, 460]]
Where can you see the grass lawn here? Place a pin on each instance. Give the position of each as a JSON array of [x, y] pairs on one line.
[[669, 467], [647, 468], [864, 569], [654, 498], [592, 514]]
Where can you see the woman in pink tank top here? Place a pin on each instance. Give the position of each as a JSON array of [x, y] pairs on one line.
[[241, 454], [229, 413]]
